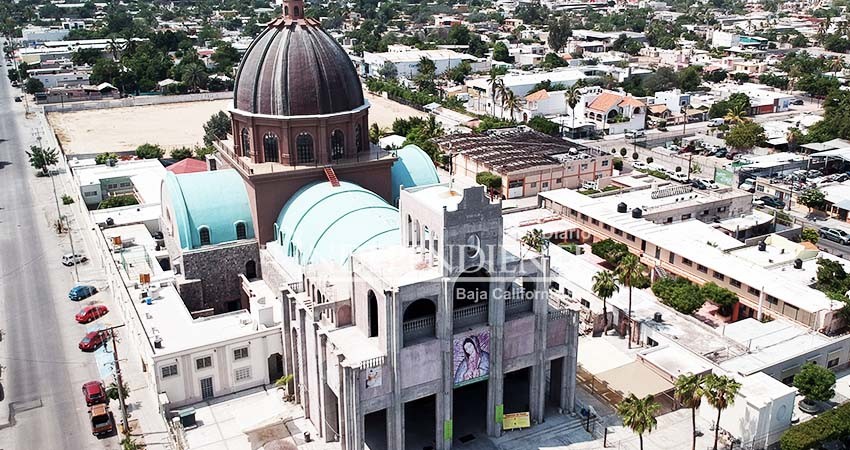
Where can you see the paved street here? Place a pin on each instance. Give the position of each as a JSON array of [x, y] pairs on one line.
[[42, 367]]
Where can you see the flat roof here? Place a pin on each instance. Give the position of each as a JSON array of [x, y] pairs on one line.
[[514, 149], [635, 378], [415, 55], [769, 343], [676, 361], [398, 265], [145, 174], [696, 241]]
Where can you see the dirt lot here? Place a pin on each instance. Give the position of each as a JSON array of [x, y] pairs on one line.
[[170, 125]]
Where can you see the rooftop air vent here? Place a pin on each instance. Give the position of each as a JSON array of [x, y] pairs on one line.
[[637, 213], [798, 263], [622, 207], [762, 246]]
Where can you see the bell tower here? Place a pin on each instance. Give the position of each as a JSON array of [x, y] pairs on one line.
[[293, 9]]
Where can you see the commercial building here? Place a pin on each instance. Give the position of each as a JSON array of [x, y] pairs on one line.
[[52, 78], [771, 279], [140, 178], [528, 162], [406, 60]]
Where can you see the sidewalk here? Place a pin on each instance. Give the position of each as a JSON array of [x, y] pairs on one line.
[[146, 423]]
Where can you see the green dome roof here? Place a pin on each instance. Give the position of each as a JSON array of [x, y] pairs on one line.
[[215, 199], [325, 223]]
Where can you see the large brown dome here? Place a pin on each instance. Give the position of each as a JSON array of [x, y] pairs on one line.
[[294, 68]]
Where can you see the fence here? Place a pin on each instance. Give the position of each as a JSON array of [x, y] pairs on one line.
[[137, 101]]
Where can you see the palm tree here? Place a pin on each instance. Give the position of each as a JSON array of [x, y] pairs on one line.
[[534, 240], [836, 65], [496, 84], [573, 97], [638, 414], [720, 392], [114, 48], [194, 75], [432, 128], [735, 115], [511, 102], [689, 392], [604, 286], [630, 272]]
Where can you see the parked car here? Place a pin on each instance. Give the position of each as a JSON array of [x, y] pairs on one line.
[[93, 340], [835, 235], [102, 422], [721, 153], [698, 184], [748, 186], [841, 177], [635, 134], [797, 101], [91, 313], [94, 393], [709, 183], [18, 99], [773, 202], [715, 122], [69, 259], [81, 292], [680, 177], [640, 165]]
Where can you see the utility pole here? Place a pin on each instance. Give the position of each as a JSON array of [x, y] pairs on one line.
[[119, 379], [37, 134]]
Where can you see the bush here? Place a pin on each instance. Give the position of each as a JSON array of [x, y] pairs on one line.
[[570, 247], [67, 199], [679, 294], [810, 235], [618, 163], [649, 160], [830, 425], [815, 383], [678, 169], [623, 152], [149, 151], [609, 250], [104, 157], [117, 201], [181, 153], [720, 296], [635, 156]]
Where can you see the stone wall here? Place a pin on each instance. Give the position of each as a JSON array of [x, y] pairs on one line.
[[218, 267]]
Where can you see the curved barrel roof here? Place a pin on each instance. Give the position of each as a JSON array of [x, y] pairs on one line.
[[413, 168]]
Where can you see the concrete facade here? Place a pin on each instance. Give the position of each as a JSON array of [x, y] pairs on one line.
[[387, 331]]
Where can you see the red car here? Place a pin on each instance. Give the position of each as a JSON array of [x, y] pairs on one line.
[[91, 313], [94, 393], [93, 340]]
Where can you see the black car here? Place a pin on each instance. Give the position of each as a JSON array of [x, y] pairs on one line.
[[797, 101], [721, 153], [772, 201], [698, 184]]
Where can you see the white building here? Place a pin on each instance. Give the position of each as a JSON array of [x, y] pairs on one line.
[[612, 112], [141, 178], [675, 100], [52, 78], [32, 33], [406, 60]]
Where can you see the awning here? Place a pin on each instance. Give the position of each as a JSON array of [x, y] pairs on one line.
[[635, 378]]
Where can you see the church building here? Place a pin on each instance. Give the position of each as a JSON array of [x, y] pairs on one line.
[[407, 321]]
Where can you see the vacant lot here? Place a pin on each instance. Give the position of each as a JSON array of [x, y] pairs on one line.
[[170, 125]]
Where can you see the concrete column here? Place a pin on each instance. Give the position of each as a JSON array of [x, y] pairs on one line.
[[570, 366], [321, 345], [304, 384], [496, 382], [444, 397], [286, 329], [537, 394], [342, 407], [762, 298], [395, 412]]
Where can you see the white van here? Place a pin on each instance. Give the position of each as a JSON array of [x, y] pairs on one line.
[[640, 165], [681, 177], [716, 122], [69, 259]]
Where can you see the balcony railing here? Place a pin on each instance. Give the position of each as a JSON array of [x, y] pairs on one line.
[[471, 315], [518, 305], [416, 329], [374, 153]]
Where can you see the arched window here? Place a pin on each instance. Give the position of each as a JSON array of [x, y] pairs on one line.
[[204, 234], [241, 231], [270, 148], [358, 138], [637, 110], [297, 12], [251, 270], [373, 314], [246, 143], [285, 10], [337, 145], [304, 148]]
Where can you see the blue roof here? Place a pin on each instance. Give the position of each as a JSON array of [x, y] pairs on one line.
[[413, 168], [325, 223], [214, 199]]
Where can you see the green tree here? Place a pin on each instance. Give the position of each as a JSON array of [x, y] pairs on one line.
[[216, 128], [604, 286], [745, 136], [103, 158], [500, 52], [117, 201], [544, 125], [511, 102], [689, 79], [388, 71], [810, 235], [194, 76], [42, 158], [609, 250], [33, 85], [639, 414], [85, 56], [534, 240], [225, 57], [720, 296], [491, 181], [720, 392], [572, 97], [630, 273], [689, 390], [812, 198], [679, 294], [181, 153], [424, 80], [559, 33], [112, 391], [149, 151], [815, 383]]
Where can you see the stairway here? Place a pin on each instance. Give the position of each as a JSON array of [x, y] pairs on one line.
[[329, 172]]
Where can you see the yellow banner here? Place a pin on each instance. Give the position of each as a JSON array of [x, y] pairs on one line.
[[516, 420]]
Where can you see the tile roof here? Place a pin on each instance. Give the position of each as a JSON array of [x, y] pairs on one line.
[[537, 96], [605, 101]]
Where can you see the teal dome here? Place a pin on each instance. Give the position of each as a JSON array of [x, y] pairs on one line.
[[215, 200], [413, 168], [323, 223]]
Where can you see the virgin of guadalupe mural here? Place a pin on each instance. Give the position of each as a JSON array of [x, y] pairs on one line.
[[471, 358]]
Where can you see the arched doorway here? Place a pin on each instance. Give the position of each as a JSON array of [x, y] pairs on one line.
[[270, 148], [251, 270], [337, 145], [246, 143], [275, 362], [373, 314], [304, 149]]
